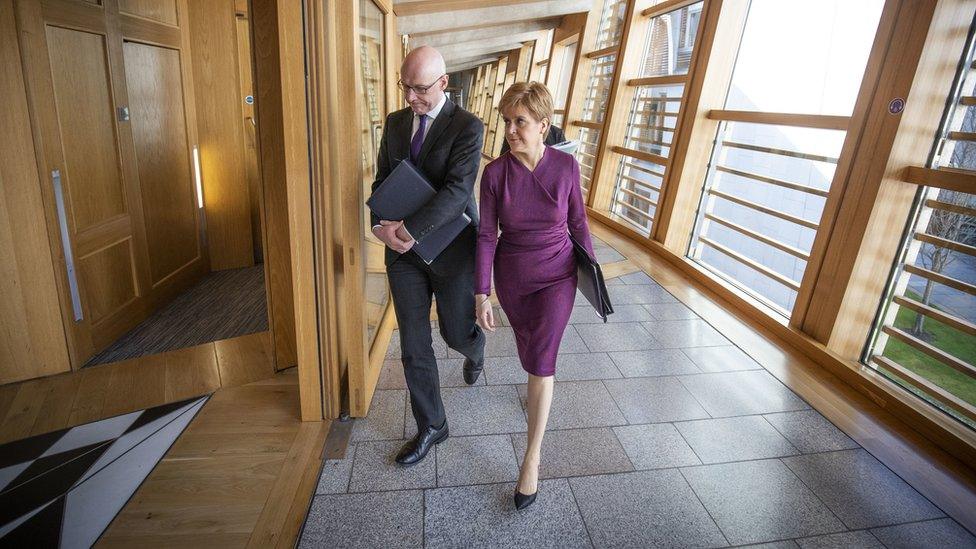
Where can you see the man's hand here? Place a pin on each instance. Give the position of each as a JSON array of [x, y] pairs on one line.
[[387, 232], [404, 235]]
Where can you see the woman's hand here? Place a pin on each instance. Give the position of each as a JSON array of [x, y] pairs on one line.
[[484, 313]]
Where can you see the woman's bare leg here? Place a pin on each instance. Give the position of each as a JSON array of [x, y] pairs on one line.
[[540, 398]]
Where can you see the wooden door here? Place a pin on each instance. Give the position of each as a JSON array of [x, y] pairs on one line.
[[116, 169]]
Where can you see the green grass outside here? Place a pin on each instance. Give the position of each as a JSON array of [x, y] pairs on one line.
[[943, 337]]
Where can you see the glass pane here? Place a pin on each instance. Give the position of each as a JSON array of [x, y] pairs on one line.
[[598, 89], [373, 109], [803, 56], [950, 216], [566, 61], [611, 23], [959, 150], [586, 155], [637, 192], [653, 118], [763, 200], [669, 42]]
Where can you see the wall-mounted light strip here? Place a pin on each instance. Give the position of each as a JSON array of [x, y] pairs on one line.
[[196, 175]]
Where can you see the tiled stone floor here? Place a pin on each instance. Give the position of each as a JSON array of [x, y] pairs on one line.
[[662, 434]]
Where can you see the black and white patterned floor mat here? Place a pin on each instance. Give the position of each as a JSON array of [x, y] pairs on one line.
[[64, 488]]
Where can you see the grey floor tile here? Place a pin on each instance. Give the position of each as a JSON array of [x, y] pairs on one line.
[[581, 367], [504, 370], [655, 446], [577, 452], [760, 501], [572, 342], [628, 336], [385, 519], [810, 432], [644, 509], [932, 533], [483, 410], [374, 469], [438, 345], [583, 313], [450, 372], [615, 281], [476, 460], [725, 358], [659, 362], [629, 294], [335, 473], [860, 490], [735, 439], [785, 544], [501, 319], [484, 516], [742, 393], [579, 405], [861, 539], [501, 342], [391, 376], [670, 311], [606, 254], [639, 278], [684, 333], [654, 400], [385, 418]]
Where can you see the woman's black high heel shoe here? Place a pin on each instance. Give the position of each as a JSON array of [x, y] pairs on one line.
[[522, 501]]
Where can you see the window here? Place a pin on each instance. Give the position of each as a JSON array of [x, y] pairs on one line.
[[925, 334], [767, 182], [373, 109], [600, 76], [563, 62], [657, 97]]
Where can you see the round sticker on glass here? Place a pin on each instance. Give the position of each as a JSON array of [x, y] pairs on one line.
[[896, 106]]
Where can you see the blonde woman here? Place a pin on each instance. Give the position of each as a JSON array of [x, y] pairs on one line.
[[532, 193]]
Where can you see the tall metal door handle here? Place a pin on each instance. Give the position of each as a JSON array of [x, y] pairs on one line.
[[69, 260]]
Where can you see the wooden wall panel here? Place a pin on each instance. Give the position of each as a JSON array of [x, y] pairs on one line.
[[163, 11], [271, 136], [155, 88], [32, 339], [213, 49]]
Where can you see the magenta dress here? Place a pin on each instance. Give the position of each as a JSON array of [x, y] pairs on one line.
[[535, 269]]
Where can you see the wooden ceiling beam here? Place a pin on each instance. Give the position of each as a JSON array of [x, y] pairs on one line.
[[484, 12]]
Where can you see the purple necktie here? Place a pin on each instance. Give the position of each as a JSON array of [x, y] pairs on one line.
[[418, 139]]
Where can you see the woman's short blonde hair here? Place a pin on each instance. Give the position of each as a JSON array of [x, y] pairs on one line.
[[534, 96]]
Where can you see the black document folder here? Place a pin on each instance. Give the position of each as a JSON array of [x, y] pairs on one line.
[[402, 193], [590, 280]]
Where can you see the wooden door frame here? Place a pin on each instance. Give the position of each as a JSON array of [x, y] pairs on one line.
[[348, 360]]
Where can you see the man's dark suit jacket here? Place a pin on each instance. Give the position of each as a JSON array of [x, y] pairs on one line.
[[555, 136], [449, 159]]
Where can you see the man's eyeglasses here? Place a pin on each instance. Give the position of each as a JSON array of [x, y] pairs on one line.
[[419, 90]]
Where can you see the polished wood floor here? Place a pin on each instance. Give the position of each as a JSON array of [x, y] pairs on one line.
[[47, 404], [242, 474]]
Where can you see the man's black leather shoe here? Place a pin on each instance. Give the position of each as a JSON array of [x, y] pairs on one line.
[[472, 370], [416, 448]]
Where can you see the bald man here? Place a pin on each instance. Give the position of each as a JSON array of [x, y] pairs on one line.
[[444, 142]]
